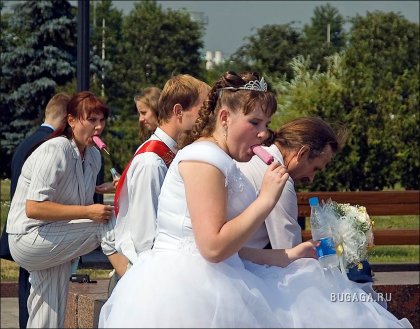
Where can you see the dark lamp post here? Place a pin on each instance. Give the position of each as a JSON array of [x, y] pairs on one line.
[[83, 33]]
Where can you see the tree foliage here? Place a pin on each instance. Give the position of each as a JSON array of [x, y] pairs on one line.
[[39, 54], [145, 48], [373, 89], [315, 93], [270, 50], [382, 63], [272, 47], [315, 35], [39, 58], [366, 79], [158, 43], [106, 35], [405, 127]]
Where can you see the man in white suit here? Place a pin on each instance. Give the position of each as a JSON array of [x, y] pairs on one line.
[[305, 146]]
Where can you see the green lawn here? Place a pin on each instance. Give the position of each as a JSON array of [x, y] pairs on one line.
[[395, 254], [5, 200], [378, 254]]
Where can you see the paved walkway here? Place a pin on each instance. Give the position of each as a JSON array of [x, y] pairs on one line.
[[9, 313]]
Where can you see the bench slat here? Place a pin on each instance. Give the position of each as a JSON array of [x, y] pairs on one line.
[[365, 197], [386, 237], [384, 209], [377, 203]]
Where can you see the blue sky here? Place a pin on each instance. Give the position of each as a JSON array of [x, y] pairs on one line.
[[230, 21]]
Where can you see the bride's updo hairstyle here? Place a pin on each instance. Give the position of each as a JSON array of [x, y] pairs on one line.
[[238, 92]]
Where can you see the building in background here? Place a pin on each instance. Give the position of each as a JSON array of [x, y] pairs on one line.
[[211, 59], [215, 60]]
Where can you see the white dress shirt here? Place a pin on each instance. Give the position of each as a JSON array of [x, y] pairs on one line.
[[48, 125], [136, 221], [281, 228]]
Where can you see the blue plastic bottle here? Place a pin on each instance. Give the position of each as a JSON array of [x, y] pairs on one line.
[[321, 232], [115, 174]]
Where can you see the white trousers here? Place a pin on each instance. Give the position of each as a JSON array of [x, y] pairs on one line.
[[46, 252]]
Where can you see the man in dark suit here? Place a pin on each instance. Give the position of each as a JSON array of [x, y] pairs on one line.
[[54, 123]]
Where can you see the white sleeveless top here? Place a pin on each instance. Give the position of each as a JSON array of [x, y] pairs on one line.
[[173, 218]]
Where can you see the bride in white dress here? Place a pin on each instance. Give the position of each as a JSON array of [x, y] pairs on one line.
[[193, 276]]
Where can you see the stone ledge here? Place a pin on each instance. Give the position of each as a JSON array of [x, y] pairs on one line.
[[85, 300], [404, 301], [396, 278], [84, 303], [8, 289], [402, 289]]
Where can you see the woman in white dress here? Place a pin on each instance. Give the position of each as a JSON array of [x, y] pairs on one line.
[[193, 276], [52, 218]]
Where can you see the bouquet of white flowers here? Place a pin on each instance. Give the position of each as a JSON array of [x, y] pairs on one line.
[[352, 231]]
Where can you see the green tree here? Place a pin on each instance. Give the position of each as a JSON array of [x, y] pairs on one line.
[[151, 45], [315, 93], [325, 19], [404, 126], [381, 101], [39, 54], [4, 27], [270, 50], [106, 36], [158, 44], [107, 43], [373, 89], [6, 40]]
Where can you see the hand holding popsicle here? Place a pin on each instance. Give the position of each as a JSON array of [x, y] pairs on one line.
[[262, 154]]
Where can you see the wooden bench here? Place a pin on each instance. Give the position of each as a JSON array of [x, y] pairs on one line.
[[405, 294], [377, 203]]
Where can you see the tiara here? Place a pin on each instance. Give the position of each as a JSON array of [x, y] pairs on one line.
[[252, 85]]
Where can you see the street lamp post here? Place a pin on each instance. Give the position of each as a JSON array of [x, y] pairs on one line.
[[83, 45], [83, 73]]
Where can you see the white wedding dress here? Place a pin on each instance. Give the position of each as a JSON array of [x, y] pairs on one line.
[[172, 285]]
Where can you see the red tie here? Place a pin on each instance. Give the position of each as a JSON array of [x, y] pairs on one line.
[[155, 146]]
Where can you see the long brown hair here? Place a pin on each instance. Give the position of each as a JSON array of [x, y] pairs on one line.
[[150, 97], [313, 132]]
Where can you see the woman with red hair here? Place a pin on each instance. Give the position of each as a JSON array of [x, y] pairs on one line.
[[52, 217]]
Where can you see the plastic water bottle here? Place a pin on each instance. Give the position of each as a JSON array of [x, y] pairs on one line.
[[74, 265], [321, 231], [115, 174]]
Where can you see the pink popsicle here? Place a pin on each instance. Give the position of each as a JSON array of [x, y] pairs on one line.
[[99, 143], [262, 154]]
